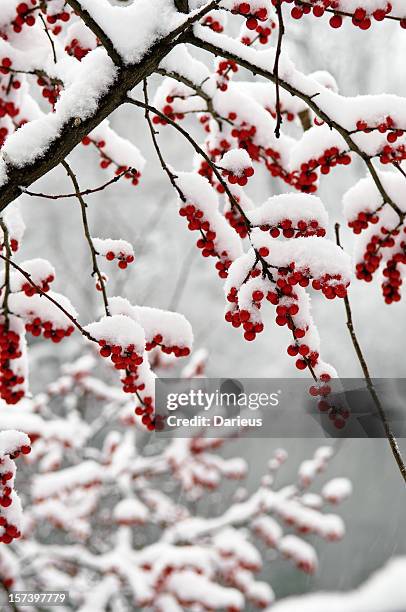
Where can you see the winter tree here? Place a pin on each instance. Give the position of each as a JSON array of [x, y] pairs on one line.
[[223, 66]]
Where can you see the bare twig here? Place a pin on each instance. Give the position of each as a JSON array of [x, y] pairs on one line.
[[278, 51], [6, 270], [93, 252], [153, 132], [49, 37], [370, 385], [81, 193]]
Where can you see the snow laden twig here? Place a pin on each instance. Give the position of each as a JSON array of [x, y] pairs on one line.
[[39, 290]]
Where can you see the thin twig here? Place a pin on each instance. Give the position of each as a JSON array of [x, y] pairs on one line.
[[164, 165], [49, 37], [71, 318], [81, 193], [278, 51], [9, 253], [93, 252], [370, 385]]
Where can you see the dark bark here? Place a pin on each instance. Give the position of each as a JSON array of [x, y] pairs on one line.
[[182, 6]]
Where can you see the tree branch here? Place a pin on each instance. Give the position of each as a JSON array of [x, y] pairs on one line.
[[97, 31], [370, 385], [72, 132], [198, 150], [198, 42]]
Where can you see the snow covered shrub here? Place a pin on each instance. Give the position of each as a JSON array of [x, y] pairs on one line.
[[116, 517]]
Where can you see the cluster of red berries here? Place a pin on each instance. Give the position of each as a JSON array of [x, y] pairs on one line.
[[169, 112], [337, 414], [25, 16], [43, 284], [304, 228], [62, 16], [3, 135], [50, 91], [236, 221], [239, 318], [74, 48], [362, 221], [390, 155], [215, 153], [146, 412], [244, 9], [9, 350], [106, 161], [36, 326], [245, 134], [5, 65], [274, 166], [224, 68], [261, 33], [331, 285], [123, 259], [197, 222], [10, 531], [372, 255], [14, 245], [239, 178], [391, 287], [213, 24], [360, 18], [126, 359], [388, 125], [307, 177], [178, 351]]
